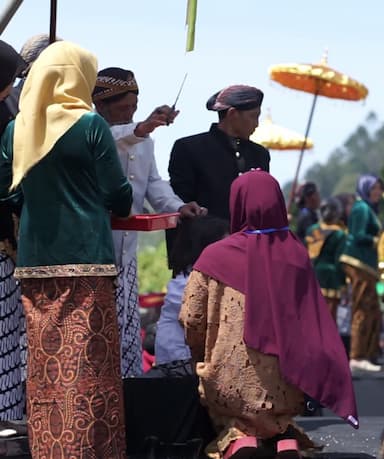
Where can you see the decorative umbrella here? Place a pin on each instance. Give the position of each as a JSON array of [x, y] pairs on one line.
[[8, 12], [276, 137], [317, 79]]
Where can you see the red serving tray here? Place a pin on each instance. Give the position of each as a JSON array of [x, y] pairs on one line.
[[146, 222]]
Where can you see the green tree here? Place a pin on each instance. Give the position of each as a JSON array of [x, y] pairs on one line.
[[362, 152], [153, 272]]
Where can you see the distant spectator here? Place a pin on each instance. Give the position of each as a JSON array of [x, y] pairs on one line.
[[325, 242], [346, 200], [308, 202]]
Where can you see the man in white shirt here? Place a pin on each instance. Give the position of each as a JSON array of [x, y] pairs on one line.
[[115, 97]]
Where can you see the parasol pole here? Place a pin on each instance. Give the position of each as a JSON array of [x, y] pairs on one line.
[[295, 180], [52, 23], [8, 12]]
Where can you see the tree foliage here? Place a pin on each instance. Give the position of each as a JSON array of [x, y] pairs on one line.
[[362, 152], [153, 272]]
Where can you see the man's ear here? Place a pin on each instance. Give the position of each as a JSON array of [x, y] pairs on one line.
[[231, 112]]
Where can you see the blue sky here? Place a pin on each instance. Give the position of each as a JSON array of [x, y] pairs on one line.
[[236, 42]]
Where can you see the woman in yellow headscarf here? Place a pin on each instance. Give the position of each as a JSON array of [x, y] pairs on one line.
[[62, 157]]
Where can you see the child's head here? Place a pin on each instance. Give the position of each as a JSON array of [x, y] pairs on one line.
[[346, 200], [308, 196], [193, 235], [331, 211]]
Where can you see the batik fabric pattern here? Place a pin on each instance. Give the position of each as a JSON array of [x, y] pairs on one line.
[[129, 320], [74, 387], [11, 321]]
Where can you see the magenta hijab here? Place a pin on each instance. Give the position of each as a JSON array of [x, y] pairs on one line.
[[285, 312]]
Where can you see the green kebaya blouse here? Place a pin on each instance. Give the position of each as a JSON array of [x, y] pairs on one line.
[[68, 197], [327, 265], [361, 245]]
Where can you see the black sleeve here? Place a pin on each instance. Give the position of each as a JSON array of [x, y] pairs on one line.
[[268, 159], [182, 172]]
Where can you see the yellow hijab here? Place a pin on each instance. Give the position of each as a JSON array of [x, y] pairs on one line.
[[56, 93]]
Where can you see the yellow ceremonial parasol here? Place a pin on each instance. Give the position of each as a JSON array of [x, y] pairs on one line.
[[276, 137], [319, 80]]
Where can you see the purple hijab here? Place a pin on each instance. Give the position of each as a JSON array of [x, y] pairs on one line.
[[365, 183], [285, 312]]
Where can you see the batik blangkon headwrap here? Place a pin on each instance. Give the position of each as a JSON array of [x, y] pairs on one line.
[[113, 81], [239, 96]]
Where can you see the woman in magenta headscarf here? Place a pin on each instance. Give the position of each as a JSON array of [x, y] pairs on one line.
[[260, 331]]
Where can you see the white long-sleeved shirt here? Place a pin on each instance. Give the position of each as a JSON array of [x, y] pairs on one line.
[[139, 164]]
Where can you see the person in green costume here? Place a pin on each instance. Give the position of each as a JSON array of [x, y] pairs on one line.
[[360, 262], [325, 242]]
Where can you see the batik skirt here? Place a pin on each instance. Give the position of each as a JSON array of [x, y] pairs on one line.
[[74, 387]]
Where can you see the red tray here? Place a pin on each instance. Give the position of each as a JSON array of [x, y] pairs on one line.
[[151, 300], [146, 222]]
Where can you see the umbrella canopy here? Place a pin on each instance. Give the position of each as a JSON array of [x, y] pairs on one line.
[[318, 79], [276, 137]]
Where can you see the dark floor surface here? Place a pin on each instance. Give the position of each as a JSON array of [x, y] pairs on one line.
[[340, 441]]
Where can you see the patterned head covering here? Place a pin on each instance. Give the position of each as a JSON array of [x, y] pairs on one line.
[[56, 94], [113, 81], [239, 96], [32, 48], [11, 64]]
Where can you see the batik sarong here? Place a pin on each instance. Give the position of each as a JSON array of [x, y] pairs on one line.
[[74, 387]]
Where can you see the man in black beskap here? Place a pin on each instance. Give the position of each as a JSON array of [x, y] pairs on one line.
[[202, 167]]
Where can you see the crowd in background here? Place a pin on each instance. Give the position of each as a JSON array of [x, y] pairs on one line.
[[343, 235]]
